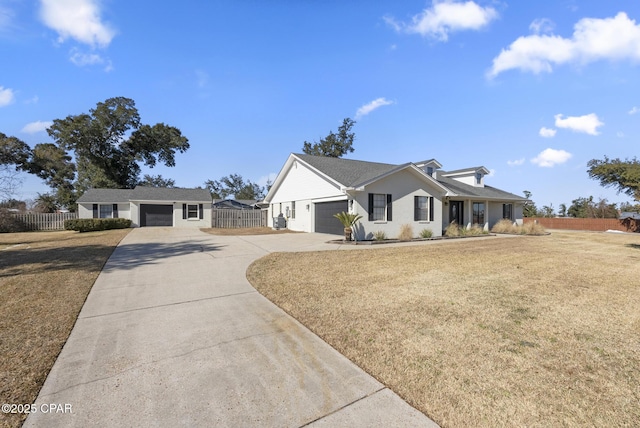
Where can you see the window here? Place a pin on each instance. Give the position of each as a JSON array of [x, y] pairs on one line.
[[478, 213], [106, 211], [192, 211], [430, 170], [379, 207], [293, 209], [478, 178], [507, 211], [423, 208]]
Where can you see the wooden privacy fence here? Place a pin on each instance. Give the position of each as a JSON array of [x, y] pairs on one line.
[[235, 219], [42, 221], [594, 224]]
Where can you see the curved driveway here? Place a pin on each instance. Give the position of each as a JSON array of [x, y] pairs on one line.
[[172, 334]]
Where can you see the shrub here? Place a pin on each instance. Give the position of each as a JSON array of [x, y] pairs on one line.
[[453, 230], [504, 226], [475, 230], [379, 235], [533, 228], [9, 223], [507, 226], [95, 224], [406, 233], [426, 233]]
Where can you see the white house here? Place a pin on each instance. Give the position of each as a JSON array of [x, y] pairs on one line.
[[309, 190], [149, 206]]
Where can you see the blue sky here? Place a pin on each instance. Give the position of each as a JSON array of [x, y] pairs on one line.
[[530, 90]]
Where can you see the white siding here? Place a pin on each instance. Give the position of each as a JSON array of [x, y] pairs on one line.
[[178, 221], [301, 184], [403, 186]]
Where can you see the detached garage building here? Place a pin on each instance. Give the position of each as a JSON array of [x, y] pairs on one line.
[[149, 206]]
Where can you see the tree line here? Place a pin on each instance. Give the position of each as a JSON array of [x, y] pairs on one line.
[[106, 147]]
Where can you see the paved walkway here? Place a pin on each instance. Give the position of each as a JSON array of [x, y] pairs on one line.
[[172, 334]]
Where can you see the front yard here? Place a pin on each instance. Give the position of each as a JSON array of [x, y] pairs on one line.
[[44, 280], [522, 331]]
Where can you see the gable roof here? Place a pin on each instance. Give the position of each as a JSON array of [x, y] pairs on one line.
[[141, 193], [487, 192], [347, 172]]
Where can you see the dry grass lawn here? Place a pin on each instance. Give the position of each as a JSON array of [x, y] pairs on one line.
[[519, 331], [44, 280], [246, 231]]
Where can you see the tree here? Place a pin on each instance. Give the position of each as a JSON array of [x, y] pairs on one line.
[[333, 145], [547, 211], [46, 203], [622, 175], [562, 210], [588, 208], [110, 142], [235, 186], [529, 209], [14, 154], [157, 181]]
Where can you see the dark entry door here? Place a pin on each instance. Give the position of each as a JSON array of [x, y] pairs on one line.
[[456, 212], [325, 221], [156, 215]]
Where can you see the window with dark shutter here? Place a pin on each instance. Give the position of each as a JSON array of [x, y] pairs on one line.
[[389, 206], [370, 206], [96, 213], [201, 211], [115, 210], [184, 211], [431, 208]]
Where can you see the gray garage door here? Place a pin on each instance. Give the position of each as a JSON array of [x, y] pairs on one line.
[[325, 221], [156, 215]]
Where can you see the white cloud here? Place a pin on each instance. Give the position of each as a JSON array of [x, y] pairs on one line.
[[6, 17], [375, 104], [620, 134], [547, 133], [6, 96], [593, 39], [35, 127], [587, 124], [516, 162], [82, 59], [269, 178], [542, 26], [551, 157], [492, 173], [634, 110], [77, 19], [444, 17]]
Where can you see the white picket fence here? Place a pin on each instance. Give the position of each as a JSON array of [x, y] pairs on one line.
[[235, 219], [45, 221]]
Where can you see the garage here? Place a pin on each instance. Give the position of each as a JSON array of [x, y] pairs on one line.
[[156, 215], [325, 222]]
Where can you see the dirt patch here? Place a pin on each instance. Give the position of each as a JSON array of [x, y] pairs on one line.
[[525, 331], [44, 280]]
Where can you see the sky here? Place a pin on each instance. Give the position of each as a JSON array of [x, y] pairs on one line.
[[530, 90]]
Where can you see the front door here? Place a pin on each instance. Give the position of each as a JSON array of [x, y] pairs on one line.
[[455, 212]]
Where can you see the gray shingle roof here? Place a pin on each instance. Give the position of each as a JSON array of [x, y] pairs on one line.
[[105, 195], [489, 192], [141, 193], [352, 173], [346, 171]]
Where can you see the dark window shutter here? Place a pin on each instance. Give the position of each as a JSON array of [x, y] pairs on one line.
[[504, 210], [431, 208], [95, 211], [201, 211], [416, 209], [370, 206], [389, 208], [115, 210], [184, 211]]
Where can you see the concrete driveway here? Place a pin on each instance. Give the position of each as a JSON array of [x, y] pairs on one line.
[[172, 334]]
